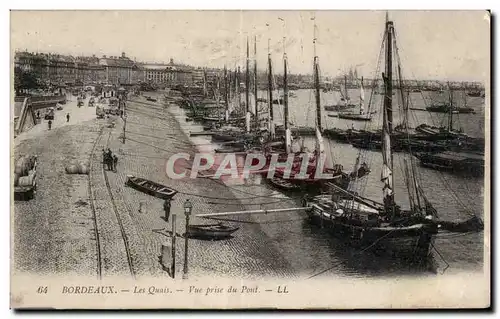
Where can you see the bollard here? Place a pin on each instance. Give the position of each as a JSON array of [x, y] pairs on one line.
[[174, 236], [165, 255]]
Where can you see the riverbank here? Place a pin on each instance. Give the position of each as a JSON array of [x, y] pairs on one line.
[[152, 136], [70, 227]]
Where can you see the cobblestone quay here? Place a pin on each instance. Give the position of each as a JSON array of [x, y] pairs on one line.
[[55, 233], [152, 136]]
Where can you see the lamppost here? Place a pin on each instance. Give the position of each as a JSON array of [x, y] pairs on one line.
[[187, 211]]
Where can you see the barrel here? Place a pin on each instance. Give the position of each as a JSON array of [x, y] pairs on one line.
[[84, 163], [31, 172], [22, 166], [31, 161], [72, 169], [83, 169], [26, 180], [16, 179]]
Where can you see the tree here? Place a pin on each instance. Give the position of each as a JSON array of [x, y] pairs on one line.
[[25, 80]]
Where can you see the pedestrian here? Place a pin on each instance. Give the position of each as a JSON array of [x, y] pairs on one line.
[[166, 207], [104, 157], [67, 117], [38, 114], [109, 156], [115, 162], [50, 125]]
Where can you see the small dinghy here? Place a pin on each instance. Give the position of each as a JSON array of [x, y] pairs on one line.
[[231, 149], [149, 187], [211, 231], [284, 184]]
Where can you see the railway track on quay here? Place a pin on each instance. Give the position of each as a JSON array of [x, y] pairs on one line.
[[114, 257]]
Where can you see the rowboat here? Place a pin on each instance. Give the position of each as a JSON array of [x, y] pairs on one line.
[[231, 149], [211, 231], [150, 187], [284, 184]]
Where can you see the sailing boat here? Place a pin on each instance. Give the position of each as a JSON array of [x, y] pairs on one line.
[[449, 107], [232, 133], [314, 161], [371, 224], [439, 133], [344, 98], [361, 116]]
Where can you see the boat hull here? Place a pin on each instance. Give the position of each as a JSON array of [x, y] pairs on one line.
[[339, 107], [434, 161], [446, 109], [402, 242], [150, 187], [355, 117], [213, 232]]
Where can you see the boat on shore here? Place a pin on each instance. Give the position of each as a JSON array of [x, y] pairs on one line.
[[210, 231], [149, 187]]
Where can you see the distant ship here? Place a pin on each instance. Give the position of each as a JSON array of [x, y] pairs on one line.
[[445, 108]]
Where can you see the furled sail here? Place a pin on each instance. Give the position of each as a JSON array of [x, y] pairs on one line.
[[386, 177], [320, 146], [361, 98]]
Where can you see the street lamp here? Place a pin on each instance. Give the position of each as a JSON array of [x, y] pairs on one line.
[[188, 207]]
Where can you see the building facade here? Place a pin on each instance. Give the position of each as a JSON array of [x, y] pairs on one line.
[[118, 70], [168, 74], [57, 69]]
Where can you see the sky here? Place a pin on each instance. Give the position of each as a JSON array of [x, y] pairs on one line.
[[446, 45]]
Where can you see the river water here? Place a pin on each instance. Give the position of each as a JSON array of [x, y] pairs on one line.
[[454, 197]]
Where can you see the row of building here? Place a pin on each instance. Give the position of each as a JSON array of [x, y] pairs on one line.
[[57, 69]]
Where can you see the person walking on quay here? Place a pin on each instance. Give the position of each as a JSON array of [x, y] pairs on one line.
[[104, 158], [166, 207], [115, 162], [67, 117], [109, 157], [50, 125]]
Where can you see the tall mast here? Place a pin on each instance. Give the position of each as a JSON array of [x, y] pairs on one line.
[[362, 99], [387, 170], [319, 138], [285, 100], [238, 87], [316, 83], [247, 90], [226, 94], [270, 90], [255, 88], [450, 108], [345, 88], [205, 91]]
